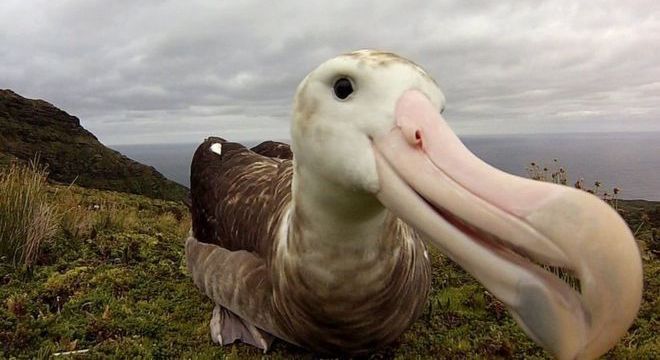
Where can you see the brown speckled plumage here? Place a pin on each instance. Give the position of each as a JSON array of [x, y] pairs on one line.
[[226, 190], [240, 199], [274, 149], [374, 303], [384, 59]]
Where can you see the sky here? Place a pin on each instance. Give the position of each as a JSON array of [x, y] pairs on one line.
[[142, 72]]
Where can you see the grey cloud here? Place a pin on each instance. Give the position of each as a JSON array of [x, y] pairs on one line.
[[167, 71]]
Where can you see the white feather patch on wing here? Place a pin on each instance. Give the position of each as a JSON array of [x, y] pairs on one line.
[[216, 148]]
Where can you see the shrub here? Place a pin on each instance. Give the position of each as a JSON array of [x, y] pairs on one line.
[[27, 219]]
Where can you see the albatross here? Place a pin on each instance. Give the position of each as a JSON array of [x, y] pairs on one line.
[[324, 245]]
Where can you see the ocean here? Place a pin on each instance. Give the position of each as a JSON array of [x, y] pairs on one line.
[[630, 161]]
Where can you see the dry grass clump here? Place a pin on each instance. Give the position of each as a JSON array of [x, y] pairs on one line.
[[114, 217], [27, 218], [84, 219], [168, 220], [77, 221]]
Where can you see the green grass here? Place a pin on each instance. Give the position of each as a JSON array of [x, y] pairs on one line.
[[114, 281]]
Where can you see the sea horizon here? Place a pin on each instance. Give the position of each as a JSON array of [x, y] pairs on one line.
[[627, 160]]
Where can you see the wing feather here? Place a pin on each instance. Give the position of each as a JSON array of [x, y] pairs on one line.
[[274, 149], [238, 196]]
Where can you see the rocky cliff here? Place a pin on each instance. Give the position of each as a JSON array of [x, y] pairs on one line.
[[31, 128]]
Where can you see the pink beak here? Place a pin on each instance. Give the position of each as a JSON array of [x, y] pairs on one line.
[[499, 227]]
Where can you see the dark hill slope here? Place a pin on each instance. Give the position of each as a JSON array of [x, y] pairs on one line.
[[34, 127]]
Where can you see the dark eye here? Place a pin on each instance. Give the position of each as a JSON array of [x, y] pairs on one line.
[[342, 88]]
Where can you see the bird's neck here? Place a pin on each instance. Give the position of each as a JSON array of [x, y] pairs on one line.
[[344, 242], [328, 216]]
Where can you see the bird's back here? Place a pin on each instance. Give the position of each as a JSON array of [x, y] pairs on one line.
[[238, 195]]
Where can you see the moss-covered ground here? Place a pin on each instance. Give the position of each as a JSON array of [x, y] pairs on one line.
[[113, 282]]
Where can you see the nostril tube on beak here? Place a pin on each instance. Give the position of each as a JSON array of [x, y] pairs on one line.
[[412, 134]]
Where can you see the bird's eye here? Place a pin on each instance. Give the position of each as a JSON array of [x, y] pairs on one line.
[[342, 88]]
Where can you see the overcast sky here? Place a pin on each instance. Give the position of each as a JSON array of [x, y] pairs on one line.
[[178, 71]]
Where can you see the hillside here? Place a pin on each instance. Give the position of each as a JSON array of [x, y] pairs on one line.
[[113, 284], [35, 127]]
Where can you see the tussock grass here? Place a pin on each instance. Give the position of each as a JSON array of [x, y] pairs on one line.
[[83, 219], [114, 217], [27, 218], [77, 222]]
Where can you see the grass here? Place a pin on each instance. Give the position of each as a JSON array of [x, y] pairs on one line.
[[113, 281], [27, 219]]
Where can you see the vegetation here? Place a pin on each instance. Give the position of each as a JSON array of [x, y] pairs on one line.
[[27, 219], [112, 283], [555, 173]]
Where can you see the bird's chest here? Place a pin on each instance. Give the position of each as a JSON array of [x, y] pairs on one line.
[[351, 301]]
